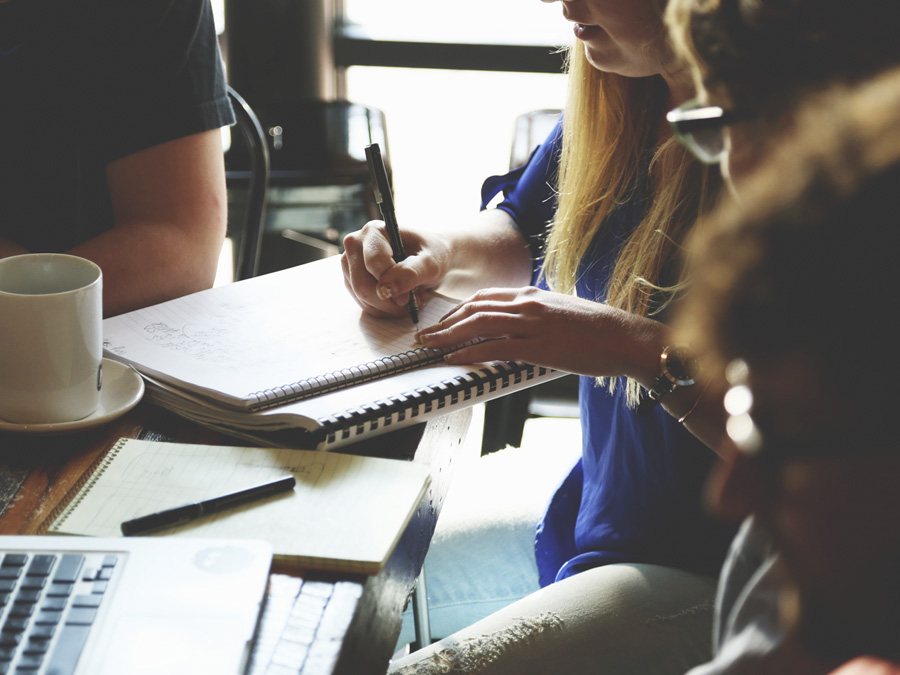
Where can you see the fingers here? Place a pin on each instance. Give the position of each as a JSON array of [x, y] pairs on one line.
[[483, 352], [396, 284], [491, 312], [372, 276], [368, 253], [489, 315], [369, 271], [367, 307], [502, 324], [481, 324], [490, 299]]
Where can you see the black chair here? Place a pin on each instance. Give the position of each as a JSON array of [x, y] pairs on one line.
[[505, 417], [320, 185], [531, 129], [247, 189]]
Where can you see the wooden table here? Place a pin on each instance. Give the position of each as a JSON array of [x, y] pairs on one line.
[[36, 472]]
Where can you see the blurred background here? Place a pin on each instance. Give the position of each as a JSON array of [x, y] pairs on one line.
[[439, 85]]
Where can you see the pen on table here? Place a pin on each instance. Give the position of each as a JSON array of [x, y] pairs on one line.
[[188, 512], [385, 201]]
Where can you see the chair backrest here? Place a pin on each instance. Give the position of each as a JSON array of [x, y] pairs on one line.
[[532, 129], [319, 181], [504, 417], [249, 237]]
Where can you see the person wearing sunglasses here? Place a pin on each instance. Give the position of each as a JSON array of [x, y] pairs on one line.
[[701, 129], [791, 304], [753, 64], [754, 61]]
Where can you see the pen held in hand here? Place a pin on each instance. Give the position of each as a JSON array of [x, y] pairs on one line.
[[189, 512], [385, 200]]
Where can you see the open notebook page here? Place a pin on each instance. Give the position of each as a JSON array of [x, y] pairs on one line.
[[346, 511], [233, 341]]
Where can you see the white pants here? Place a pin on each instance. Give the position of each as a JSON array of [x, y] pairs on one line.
[[612, 620], [639, 619]]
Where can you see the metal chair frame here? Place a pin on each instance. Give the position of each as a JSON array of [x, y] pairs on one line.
[[247, 257]]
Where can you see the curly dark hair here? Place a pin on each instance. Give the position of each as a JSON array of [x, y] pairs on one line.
[[806, 261], [762, 56]]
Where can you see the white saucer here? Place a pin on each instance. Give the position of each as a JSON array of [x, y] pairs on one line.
[[122, 389]]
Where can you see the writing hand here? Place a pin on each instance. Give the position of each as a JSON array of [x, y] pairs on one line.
[[378, 284]]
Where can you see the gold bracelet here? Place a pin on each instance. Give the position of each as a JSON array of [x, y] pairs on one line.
[[687, 414]]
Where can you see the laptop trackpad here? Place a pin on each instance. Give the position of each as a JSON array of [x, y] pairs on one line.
[[175, 645]]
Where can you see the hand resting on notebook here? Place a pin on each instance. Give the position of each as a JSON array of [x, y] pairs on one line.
[[549, 329]]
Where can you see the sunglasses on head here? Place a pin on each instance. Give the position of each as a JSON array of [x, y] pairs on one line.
[[700, 129]]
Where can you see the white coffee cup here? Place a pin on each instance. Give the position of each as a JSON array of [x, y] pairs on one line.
[[51, 338]]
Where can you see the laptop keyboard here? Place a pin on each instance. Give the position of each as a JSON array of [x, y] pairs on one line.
[[303, 625], [48, 603]]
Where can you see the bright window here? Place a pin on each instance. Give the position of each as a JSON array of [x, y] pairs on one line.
[[449, 129], [487, 21]]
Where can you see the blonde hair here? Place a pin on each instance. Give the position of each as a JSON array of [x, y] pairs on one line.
[[610, 123]]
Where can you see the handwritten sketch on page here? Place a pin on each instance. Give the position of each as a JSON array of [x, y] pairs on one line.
[[212, 338]]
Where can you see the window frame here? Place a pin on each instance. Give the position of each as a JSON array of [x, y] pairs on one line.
[[352, 45]]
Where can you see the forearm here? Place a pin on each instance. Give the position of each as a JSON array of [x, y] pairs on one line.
[[703, 411], [149, 262], [145, 263], [575, 335], [170, 211], [700, 404], [489, 252]]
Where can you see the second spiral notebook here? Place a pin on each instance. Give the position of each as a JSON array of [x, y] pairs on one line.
[[346, 512], [289, 359]]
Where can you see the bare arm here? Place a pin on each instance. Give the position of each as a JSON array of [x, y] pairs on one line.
[[488, 252], [169, 206], [540, 327], [576, 335]]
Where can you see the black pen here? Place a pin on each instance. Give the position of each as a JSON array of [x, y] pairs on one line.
[[385, 201], [183, 514]]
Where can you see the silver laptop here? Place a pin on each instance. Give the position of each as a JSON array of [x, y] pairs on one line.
[[172, 605]]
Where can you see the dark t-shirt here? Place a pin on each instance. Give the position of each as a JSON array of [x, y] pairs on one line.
[[84, 83]]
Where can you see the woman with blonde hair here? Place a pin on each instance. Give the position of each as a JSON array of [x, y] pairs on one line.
[[625, 555]]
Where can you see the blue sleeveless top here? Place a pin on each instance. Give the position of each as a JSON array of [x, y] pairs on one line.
[[636, 493]]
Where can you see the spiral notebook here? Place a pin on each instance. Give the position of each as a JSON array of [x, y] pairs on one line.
[[346, 512], [289, 359]]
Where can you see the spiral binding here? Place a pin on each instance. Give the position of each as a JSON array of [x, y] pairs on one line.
[[80, 490], [424, 400], [346, 377]]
